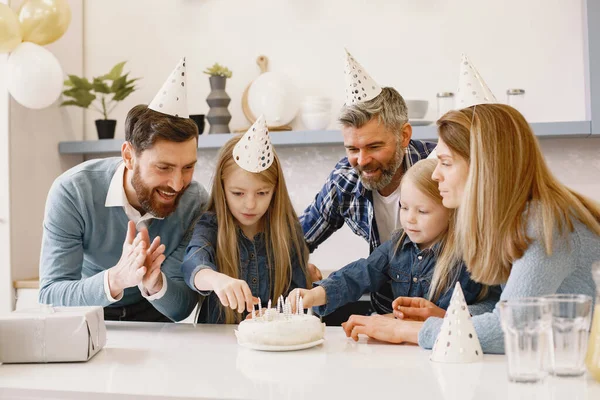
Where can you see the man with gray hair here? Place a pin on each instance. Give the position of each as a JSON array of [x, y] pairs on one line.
[[363, 190]]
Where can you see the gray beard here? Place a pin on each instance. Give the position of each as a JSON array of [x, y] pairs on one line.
[[387, 174]]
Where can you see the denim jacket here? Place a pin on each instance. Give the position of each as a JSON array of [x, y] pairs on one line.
[[409, 270], [254, 267]]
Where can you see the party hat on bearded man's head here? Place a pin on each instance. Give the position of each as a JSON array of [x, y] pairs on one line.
[[360, 87], [254, 151], [171, 99], [457, 341]]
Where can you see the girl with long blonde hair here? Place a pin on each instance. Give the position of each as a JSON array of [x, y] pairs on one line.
[[409, 259], [248, 244], [517, 225]]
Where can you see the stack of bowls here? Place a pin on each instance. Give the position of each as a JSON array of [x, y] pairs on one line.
[[417, 109], [316, 112]]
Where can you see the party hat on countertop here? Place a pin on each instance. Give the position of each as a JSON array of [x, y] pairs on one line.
[[457, 341]]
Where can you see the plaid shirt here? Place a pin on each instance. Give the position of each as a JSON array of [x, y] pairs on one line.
[[344, 198]]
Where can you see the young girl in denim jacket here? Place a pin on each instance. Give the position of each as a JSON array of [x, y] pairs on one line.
[[249, 243], [408, 259]]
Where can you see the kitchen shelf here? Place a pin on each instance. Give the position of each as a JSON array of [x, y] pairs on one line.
[[571, 129]]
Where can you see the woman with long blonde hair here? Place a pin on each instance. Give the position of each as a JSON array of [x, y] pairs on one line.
[[417, 260], [249, 243], [517, 225]]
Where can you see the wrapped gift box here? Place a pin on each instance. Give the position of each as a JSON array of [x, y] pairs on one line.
[[52, 334]]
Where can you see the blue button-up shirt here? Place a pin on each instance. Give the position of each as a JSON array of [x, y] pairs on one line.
[[408, 268], [254, 267]]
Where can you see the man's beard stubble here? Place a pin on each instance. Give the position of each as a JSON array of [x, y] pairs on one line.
[[146, 198], [387, 173]]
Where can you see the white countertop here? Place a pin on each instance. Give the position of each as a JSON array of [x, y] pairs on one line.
[[179, 361]]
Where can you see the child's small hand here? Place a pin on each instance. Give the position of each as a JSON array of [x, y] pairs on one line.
[[416, 309], [234, 293], [314, 272], [310, 298]]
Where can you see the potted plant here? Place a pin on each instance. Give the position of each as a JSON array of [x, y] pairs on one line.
[[101, 95], [218, 116]]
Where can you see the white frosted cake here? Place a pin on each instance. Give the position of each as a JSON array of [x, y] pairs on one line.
[[279, 327], [281, 330]]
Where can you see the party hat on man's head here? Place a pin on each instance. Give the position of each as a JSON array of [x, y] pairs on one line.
[[171, 99], [472, 89], [457, 341], [254, 151], [360, 86]]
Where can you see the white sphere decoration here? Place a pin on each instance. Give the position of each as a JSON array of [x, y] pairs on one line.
[[34, 76], [274, 96]]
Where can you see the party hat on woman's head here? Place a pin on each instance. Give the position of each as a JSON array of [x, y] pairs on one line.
[[171, 99], [472, 89], [360, 87], [254, 151], [457, 341]]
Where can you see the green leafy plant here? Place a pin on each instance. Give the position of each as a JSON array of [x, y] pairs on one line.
[[107, 90], [218, 70]]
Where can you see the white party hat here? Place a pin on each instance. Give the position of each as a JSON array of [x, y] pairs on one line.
[[171, 99], [360, 86], [457, 341], [254, 151], [472, 89]]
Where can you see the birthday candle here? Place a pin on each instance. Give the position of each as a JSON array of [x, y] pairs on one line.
[[297, 301], [259, 308], [301, 308], [269, 310]]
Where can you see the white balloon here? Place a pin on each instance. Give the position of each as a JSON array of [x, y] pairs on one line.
[[275, 97], [34, 76]]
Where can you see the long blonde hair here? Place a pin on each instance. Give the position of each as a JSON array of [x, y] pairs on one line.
[[447, 267], [283, 233], [507, 173]]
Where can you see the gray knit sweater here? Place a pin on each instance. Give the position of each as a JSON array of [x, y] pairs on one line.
[[567, 270]]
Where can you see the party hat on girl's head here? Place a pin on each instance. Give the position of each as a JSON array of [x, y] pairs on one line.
[[472, 89], [171, 99], [254, 151], [457, 341], [360, 86]]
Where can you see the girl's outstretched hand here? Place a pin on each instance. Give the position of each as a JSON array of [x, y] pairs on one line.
[[314, 272], [416, 309], [233, 293], [310, 298], [382, 328]]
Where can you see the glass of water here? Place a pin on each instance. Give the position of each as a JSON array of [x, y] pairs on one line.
[[526, 323], [571, 318]]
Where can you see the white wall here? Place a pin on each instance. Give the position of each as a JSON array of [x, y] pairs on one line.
[[34, 158], [414, 46], [6, 291]]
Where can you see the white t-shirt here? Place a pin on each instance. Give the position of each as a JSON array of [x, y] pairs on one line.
[[387, 213]]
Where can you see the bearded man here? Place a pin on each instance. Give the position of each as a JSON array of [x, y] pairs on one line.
[[91, 255], [363, 190]]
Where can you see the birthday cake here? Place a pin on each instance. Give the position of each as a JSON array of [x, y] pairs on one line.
[[281, 327]]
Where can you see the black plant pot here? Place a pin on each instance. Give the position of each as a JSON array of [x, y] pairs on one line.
[[106, 128], [199, 120]]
